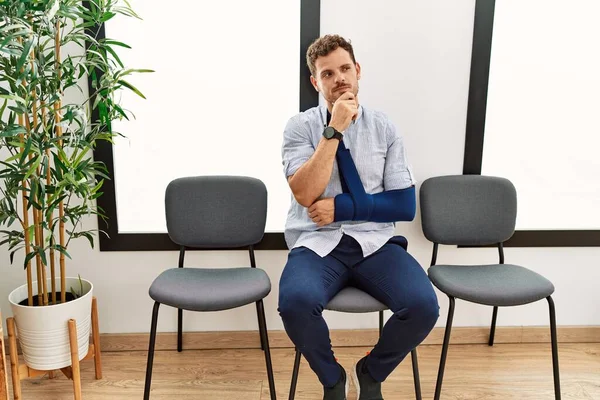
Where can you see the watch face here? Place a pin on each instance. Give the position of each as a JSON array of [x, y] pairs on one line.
[[329, 132]]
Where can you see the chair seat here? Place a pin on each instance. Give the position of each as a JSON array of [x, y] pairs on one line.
[[210, 289], [353, 300], [494, 285]]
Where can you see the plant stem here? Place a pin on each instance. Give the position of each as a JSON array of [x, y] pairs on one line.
[[35, 226], [25, 123], [61, 207], [49, 220], [26, 226], [37, 220]]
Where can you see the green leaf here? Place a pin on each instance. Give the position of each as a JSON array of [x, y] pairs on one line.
[[33, 167], [120, 111], [59, 167], [131, 71], [116, 43], [87, 235], [131, 87], [25, 151], [98, 186], [51, 12], [107, 16], [71, 179], [32, 195], [42, 254], [60, 249], [115, 56], [24, 55], [13, 131], [12, 97], [12, 255], [28, 258], [3, 108]]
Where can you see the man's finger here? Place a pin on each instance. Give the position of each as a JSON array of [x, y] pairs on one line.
[[347, 96]]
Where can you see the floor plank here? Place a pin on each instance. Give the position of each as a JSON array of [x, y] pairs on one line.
[[473, 372]]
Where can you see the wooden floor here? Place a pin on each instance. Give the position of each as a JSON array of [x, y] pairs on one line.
[[505, 371]]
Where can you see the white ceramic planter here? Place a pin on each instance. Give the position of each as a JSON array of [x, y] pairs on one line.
[[43, 332]]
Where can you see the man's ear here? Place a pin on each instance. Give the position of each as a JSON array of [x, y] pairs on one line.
[[357, 71], [314, 83]]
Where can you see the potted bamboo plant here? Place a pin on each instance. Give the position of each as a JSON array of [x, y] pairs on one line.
[[48, 178]]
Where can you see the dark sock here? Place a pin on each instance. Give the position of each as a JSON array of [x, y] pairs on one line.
[[339, 379], [363, 367], [341, 373], [364, 370]]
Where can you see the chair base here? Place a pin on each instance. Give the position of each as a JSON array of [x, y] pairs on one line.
[[555, 366], [264, 340], [415, 365]]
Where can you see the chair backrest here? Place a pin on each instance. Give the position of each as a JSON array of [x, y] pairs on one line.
[[468, 209], [216, 211]]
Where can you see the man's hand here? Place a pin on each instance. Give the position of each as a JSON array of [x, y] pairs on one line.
[[322, 212], [344, 110]]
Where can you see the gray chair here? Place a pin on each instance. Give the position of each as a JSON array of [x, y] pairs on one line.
[[353, 300], [473, 210], [213, 212]]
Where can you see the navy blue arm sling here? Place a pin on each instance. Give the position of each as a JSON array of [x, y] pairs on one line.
[[357, 205]]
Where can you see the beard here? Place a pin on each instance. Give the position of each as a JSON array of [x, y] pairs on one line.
[[336, 93]]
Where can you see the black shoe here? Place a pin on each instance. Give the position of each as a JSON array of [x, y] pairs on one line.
[[366, 387], [339, 391]]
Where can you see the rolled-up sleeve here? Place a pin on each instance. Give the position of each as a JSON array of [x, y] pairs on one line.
[[397, 173], [297, 147]]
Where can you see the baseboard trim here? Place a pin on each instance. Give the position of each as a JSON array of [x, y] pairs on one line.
[[115, 342], [346, 338]]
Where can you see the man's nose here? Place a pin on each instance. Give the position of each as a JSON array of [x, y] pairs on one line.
[[340, 78]]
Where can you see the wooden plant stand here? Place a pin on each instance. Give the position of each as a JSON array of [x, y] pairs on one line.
[[3, 375], [20, 372]]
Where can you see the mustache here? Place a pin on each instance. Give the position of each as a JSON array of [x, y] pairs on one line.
[[342, 87]]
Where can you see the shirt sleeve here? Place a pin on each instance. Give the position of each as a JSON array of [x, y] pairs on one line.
[[397, 173], [296, 148]]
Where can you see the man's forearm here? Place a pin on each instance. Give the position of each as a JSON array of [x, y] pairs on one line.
[[311, 179], [390, 206]]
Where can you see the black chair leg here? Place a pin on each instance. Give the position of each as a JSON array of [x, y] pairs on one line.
[[554, 348], [295, 375], [417, 379], [179, 330], [262, 345], [493, 328], [151, 351], [440, 377], [380, 322], [262, 326]]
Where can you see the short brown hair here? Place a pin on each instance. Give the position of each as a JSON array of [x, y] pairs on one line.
[[325, 45]]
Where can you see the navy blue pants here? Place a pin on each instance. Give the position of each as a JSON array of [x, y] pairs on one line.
[[390, 275]]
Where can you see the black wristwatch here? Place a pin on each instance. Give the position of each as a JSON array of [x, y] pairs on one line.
[[331, 133]]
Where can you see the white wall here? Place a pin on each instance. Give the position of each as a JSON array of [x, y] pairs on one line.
[[415, 58]]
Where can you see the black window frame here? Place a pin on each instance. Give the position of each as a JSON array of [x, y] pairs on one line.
[[113, 240], [475, 129], [474, 139]]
